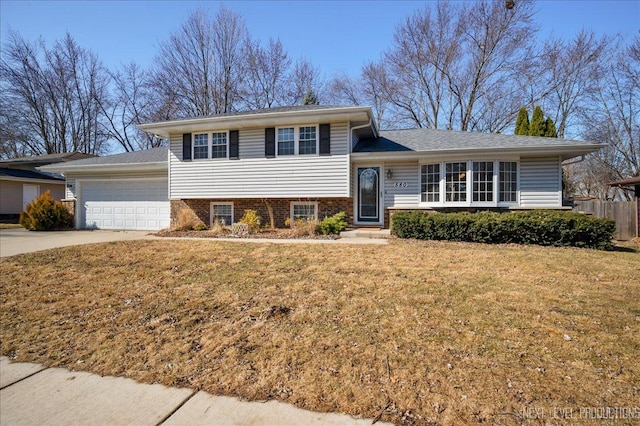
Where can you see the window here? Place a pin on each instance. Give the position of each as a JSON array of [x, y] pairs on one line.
[[508, 182], [304, 210], [456, 182], [223, 213], [301, 140], [219, 145], [483, 181], [430, 182], [491, 182], [286, 141], [307, 143], [200, 146]]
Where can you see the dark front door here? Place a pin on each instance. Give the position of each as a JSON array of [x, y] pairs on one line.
[[368, 194]]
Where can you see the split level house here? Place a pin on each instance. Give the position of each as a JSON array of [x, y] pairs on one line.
[[312, 162]]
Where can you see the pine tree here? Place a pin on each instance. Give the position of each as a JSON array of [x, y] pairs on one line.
[[310, 98], [537, 127], [550, 128], [522, 122]]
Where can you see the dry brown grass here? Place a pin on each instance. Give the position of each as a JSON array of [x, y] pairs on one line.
[[445, 333]]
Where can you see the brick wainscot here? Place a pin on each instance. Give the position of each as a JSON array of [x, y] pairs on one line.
[[281, 208]]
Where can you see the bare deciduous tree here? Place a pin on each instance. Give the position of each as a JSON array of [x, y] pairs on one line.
[[198, 71], [266, 74], [56, 93]]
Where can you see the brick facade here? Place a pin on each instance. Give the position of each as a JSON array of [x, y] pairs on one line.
[[281, 208], [70, 205]]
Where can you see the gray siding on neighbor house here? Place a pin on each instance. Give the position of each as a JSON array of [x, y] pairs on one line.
[[73, 177], [540, 182], [255, 176]]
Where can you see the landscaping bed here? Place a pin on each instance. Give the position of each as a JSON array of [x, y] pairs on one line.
[[265, 233], [419, 332]]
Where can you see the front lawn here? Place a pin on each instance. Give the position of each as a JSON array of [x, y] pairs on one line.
[[428, 332]]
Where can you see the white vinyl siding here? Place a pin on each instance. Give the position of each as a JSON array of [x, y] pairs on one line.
[[540, 182], [403, 189], [254, 176]]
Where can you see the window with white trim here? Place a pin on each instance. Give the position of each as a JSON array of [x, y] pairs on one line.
[[219, 145], [223, 213], [469, 183], [286, 141], [508, 179], [304, 210], [430, 183], [302, 140], [455, 182], [482, 181], [200, 146], [308, 143]]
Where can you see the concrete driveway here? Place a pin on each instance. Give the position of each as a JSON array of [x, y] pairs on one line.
[[18, 241]]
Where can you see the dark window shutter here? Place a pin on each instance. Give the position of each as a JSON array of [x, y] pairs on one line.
[[325, 139], [186, 146], [234, 141], [270, 142]]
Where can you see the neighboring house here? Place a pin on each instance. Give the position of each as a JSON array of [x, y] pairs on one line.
[[21, 182], [314, 161]]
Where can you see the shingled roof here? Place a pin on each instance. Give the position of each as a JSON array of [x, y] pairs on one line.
[[421, 140], [28, 174], [146, 157]]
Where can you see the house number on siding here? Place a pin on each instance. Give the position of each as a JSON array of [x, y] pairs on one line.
[[400, 184]]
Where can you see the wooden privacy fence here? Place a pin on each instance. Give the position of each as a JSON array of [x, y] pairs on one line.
[[624, 213]]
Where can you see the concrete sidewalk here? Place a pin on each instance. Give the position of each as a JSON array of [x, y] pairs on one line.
[[31, 394]]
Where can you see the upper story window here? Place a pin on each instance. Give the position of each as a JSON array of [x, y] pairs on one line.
[[302, 140], [210, 145], [308, 140], [200, 146], [469, 183], [286, 141], [219, 145]]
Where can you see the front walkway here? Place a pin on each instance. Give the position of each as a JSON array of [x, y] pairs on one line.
[[33, 394]]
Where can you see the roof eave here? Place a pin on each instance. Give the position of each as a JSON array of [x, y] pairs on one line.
[[267, 119], [566, 151], [115, 167]]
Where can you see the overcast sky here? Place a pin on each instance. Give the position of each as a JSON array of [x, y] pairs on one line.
[[336, 36]]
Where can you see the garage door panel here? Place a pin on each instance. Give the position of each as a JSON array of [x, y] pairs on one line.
[[142, 205]]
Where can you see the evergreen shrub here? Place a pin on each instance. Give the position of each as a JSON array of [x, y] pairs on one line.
[[542, 227]]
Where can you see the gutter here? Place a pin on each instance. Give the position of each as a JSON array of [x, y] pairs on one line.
[[120, 167]]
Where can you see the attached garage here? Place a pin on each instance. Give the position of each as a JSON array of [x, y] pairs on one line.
[[126, 191], [125, 204]]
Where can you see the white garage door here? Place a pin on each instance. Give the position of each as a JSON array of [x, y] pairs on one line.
[[139, 205]]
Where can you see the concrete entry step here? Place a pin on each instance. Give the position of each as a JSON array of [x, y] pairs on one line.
[[366, 233]]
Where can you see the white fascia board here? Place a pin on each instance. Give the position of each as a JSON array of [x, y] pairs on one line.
[[566, 151], [121, 167], [267, 119]]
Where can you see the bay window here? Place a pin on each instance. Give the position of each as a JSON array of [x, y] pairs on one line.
[[484, 183]]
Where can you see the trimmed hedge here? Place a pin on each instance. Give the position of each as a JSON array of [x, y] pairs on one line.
[[543, 227]]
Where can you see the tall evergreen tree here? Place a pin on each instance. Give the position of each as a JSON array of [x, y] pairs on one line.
[[550, 128], [310, 98], [537, 127], [522, 122]]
